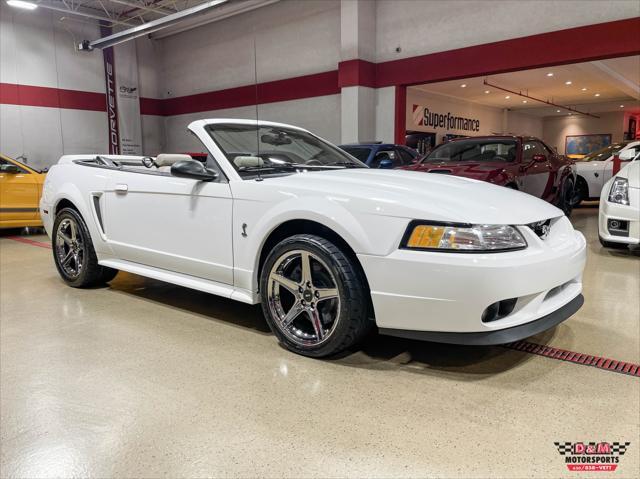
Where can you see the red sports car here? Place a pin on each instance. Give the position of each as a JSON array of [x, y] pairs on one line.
[[521, 163]]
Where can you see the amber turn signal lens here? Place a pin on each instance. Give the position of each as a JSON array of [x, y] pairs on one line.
[[424, 236]]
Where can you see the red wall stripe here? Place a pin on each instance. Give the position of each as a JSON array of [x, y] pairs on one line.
[[308, 86], [574, 45], [29, 95], [356, 73]]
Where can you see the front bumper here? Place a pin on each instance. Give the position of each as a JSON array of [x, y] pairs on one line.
[[448, 292]]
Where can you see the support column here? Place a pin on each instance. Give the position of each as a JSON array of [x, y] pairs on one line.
[[357, 71]]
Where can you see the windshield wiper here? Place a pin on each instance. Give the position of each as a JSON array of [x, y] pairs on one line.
[[346, 164]]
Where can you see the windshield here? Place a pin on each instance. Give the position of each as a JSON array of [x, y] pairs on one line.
[[604, 153], [264, 150], [474, 150], [360, 152]]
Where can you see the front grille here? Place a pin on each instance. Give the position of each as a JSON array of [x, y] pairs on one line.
[[541, 228]]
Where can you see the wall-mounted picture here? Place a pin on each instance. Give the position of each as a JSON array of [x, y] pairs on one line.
[[585, 144]]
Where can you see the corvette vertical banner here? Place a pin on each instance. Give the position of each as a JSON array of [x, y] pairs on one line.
[[128, 95], [112, 103]]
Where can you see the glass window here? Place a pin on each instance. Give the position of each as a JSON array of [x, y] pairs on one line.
[[405, 156], [605, 153], [531, 148], [360, 152], [265, 150], [474, 150], [4, 164]]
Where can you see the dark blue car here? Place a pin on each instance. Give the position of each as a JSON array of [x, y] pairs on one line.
[[382, 155]]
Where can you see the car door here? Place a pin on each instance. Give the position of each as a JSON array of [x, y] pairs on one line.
[[537, 179], [18, 194], [177, 224]]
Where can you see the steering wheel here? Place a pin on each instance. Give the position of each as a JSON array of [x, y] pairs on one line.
[[313, 161], [148, 162]]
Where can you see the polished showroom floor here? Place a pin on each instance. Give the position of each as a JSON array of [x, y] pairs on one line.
[[146, 379]]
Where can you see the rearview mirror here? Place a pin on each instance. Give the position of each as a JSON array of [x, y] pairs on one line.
[[10, 169], [192, 169], [540, 158]]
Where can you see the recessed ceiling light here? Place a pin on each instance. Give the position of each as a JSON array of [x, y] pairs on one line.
[[524, 101], [621, 106], [486, 91], [21, 4], [568, 82], [507, 97], [549, 74], [464, 85], [584, 89], [597, 94], [570, 113], [557, 111]]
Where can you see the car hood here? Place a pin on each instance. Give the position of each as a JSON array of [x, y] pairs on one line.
[[469, 169], [415, 195]]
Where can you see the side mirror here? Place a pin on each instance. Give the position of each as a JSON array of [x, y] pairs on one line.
[[539, 158], [9, 169], [192, 169], [628, 155], [386, 164]]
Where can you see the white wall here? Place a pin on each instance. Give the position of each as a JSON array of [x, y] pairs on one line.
[[430, 26], [37, 49], [556, 129]]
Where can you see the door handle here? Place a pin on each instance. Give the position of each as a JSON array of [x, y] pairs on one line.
[[121, 188]]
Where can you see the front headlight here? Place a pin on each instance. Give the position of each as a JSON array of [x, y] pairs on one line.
[[619, 191], [462, 238]]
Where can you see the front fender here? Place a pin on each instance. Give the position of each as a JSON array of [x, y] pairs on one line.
[[351, 226]]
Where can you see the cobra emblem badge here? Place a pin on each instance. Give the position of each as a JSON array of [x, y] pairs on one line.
[[244, 230]]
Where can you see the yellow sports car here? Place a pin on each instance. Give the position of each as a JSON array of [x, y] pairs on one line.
[[20, 190]]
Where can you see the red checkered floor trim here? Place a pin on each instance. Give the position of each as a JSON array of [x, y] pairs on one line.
[[20, 239], [599, 362]]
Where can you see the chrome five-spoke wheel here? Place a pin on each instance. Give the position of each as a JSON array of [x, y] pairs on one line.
[[70, 250], [303, 297]]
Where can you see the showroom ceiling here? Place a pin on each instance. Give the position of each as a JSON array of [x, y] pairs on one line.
[[595, 86]]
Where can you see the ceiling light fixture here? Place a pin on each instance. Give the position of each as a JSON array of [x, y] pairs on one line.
[[549, 74], [584, 89], [524, 101], [21, 4], [568, 82], [464, 85], [486, 91], [597, 94], [621, 106], [557, 111], [533, 98]]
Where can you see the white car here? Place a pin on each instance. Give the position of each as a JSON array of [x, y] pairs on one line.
[[619, 218], [595, 169], [329, 247]]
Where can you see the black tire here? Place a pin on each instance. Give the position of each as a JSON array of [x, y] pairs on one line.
[[90, 273], [611, 245], [352, 323], [565, 201], [581, 192]]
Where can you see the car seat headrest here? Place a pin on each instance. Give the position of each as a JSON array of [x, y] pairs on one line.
[[168, 159], [248, 161]]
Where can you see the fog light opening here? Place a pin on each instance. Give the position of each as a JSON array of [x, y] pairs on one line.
[[499, 310]]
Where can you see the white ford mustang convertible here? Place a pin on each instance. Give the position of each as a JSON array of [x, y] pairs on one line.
[[331, 248]]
